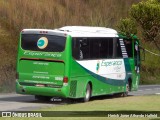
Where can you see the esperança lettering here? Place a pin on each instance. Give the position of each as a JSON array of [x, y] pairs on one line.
[[42, 54], [110, 63]]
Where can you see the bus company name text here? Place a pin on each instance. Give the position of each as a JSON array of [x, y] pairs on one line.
[[111, 63], [42, 54]]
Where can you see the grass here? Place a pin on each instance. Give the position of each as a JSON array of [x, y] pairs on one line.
[[7, 61], [57, 13], [150, 68], [107, 103]]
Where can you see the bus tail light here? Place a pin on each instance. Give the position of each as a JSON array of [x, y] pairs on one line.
[[65, 80]]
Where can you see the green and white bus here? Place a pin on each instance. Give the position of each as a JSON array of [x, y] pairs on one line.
[[76, 62]]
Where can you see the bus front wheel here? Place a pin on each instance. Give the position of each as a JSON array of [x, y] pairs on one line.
[[87, 93]]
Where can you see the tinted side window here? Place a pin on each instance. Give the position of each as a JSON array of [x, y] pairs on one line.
[[80, 48], [128, 45], [75, 49], [119, 52], [84, 48], [103, 48], [110, 48], [96, 48]]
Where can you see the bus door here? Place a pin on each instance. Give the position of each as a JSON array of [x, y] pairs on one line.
[[137, 56]]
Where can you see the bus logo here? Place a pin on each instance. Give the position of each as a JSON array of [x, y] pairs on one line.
[[98, 66], [42, 42]]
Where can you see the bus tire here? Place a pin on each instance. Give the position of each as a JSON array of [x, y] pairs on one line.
[[87, 93], [125, 94]]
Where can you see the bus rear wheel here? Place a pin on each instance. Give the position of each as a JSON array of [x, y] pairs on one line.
[[87, 93], [125, 94]]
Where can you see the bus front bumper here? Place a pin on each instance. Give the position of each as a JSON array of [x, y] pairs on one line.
[[43, 91]]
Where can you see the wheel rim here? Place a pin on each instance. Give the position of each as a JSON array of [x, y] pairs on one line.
[[87, 94], [127, 88]]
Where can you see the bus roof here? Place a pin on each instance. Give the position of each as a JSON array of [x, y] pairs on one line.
[[87, 31], [75, 31]]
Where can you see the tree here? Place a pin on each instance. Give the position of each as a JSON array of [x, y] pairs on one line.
[[147, 16], [127, 27]]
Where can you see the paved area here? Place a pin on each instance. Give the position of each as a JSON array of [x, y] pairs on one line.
[[16, 102]]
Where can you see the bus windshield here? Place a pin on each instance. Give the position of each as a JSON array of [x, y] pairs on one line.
[[40, 42]]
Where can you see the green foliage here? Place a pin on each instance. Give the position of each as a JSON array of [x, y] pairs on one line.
[[127, 27], [150, 67], [147, 15]]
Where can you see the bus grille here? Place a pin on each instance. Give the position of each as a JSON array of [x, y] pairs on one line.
[[73, 87]]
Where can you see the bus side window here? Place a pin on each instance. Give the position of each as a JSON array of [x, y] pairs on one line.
[[80, 50], [110, 48], [75, 48], [103, 49], [94, 48], [119, 52], [83, 48], [128, 45]]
